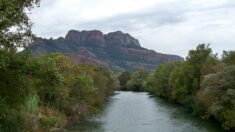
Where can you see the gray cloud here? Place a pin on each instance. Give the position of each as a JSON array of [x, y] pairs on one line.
[[169, 27], [135, 21]]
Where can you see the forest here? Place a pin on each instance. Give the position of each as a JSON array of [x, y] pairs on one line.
[[204, 84]]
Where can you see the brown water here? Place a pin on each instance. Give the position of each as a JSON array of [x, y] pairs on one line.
[[139, 112]]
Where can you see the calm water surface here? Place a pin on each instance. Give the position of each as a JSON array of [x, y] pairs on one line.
[[139, 112]]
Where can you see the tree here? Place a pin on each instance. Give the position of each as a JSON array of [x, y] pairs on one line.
[[15, 77], [161, 75], [181, 80], [186, 79], [197, 58], [137, 81], [123, 79], [217, 94], [228, 57], [48, 79], [83, 87], [158, 83], [15, 27]]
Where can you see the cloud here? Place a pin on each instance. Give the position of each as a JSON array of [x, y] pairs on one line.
[[168, 26]]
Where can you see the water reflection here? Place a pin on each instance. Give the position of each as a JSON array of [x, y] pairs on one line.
[[88, 126], [183, 121], [139, 112]]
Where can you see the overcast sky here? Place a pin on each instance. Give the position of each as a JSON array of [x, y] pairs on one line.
[[167, 26]]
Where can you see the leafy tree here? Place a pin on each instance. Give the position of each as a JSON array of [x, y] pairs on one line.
[[161, 76], [123, 79], [51, 86], [186, 79], [15, 78], [228, 57], [48, 81], [181, 80], [15, 27], [15, 88], [137, 81], [83, 87], [218, 95], [197, 59], [104, 84], [150, 85]]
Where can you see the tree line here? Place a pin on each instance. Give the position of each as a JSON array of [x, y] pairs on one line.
[[38, 93], [203, 83]]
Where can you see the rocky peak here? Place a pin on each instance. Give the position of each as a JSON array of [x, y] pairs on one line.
[[116, 50], [93, 37], [119, 38], [72, 35], [96, 37]]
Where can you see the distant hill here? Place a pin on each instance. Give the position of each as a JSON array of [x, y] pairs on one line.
[[117, 51]]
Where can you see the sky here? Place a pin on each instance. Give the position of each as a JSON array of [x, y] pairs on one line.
[[166, 26]]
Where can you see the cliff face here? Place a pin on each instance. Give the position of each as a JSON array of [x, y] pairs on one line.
[[86, 37], [120, 39], [116, 51]]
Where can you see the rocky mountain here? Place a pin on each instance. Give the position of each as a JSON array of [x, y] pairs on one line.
[[117, 50]]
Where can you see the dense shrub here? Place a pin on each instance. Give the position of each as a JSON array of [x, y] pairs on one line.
[[15, 88], [51, 83], [123, 78], [163, 88], [137, 81], [218, 92]]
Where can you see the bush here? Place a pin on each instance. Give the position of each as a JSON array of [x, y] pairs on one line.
[[123, 78], [137, 81], [160, 80], [49, 121], [220, 89]]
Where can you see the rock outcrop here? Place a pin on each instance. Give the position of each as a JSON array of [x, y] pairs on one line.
[[117, 51], [120, 39]]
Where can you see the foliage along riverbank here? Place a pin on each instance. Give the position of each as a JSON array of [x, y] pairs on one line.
[[203, 83], [39, 93]]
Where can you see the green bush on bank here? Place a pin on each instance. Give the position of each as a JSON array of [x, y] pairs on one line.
[[137, 81], [48, 86]]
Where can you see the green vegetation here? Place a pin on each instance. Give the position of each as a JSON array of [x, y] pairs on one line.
[[135, 81], [158, 82], [15, 27], [217, 96], [204, 84], [123, 79], [46, 87], [38, 93]]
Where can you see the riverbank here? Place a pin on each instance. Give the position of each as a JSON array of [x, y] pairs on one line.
[[49, 92], [203, 84]]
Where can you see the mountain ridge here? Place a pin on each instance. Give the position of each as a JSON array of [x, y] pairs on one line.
[[117, 51]]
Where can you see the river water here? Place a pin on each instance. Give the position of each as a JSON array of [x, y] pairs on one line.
[[139, 112]]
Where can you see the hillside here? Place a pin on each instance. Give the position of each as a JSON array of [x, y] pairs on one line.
[[117, 51]]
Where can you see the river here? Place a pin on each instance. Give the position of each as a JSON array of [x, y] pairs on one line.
[[140, 112]]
